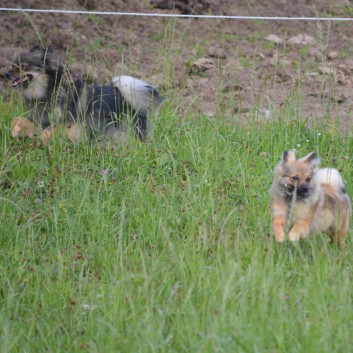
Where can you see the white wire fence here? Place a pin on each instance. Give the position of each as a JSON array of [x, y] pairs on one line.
[[174, 15]]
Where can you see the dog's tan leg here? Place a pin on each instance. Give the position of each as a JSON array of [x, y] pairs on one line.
[[301, 228], [47, 133], [22, 127], [75, 133], [279, 214], [114, 136], [339, 238], [339, 235]]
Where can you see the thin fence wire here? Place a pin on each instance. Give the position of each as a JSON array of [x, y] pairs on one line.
[[174, 15]]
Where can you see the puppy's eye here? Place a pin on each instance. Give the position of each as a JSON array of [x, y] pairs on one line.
[[308, 179], [295, 177]]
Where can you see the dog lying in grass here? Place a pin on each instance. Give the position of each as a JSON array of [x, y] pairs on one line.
[[308, 200], [55, 98]]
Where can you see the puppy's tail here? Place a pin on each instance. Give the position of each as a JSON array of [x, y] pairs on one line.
[[143, 97], [330, 176]]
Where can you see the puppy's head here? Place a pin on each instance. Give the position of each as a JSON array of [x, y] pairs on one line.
[[32, 70], [296, 176]]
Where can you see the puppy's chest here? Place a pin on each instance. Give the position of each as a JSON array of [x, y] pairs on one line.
[[298, 211], [37, 89], [301, 210]]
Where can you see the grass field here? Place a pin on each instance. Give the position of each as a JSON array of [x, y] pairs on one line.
[[166, 246]]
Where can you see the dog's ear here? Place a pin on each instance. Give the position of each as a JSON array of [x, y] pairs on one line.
[[35, 49], [49, 49], [51, 60], [47, 52], [288, 157], [311, 158]]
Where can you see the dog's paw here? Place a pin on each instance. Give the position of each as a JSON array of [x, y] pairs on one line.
[[294, 236], [297, 232], [46, 134], [279, 235], [75, 133], [22, 127]]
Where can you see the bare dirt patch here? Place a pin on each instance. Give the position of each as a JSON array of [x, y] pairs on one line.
[[214, 66]]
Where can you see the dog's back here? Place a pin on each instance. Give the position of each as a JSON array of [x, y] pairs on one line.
[[100, 106], [109, 107]]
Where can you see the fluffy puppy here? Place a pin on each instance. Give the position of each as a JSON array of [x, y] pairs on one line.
[[308, 200]]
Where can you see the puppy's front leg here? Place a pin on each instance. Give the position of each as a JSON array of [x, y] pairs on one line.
[[22, 127], [47, 133], [279, 214], [301, 228], [298, 231], [75, 132]]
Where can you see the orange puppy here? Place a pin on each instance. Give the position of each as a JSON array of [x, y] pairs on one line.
[[308, 200]]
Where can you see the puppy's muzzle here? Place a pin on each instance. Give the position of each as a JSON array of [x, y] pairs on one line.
[[303, 191], [17, 81]]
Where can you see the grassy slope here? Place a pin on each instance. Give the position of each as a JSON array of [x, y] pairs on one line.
[[171, 250]]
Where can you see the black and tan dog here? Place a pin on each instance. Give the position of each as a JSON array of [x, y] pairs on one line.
[[55, 98]]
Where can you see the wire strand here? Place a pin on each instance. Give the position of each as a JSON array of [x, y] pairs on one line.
[[141, 14]]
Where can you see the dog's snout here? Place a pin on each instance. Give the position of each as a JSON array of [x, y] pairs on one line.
[[303, 190], [8, 75]]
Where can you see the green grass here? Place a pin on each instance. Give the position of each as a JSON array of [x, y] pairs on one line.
[[170, 251]]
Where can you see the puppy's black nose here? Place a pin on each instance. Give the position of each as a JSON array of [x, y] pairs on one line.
[[7, 75], [303, 190]]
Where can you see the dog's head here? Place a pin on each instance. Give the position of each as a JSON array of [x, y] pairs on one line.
[[32, 70], [296, 176]]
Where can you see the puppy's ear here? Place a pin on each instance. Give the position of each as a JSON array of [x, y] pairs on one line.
[[35, 49], [49, 49], [311, 158], [47, 52], [288, 157], [51, 60]]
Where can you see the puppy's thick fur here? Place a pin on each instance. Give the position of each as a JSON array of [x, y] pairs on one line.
[[308, 200], [55, 97]]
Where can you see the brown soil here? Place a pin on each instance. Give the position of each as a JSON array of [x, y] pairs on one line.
[[212, 65]]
